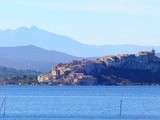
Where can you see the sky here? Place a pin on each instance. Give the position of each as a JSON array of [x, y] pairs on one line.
[[96, 22]]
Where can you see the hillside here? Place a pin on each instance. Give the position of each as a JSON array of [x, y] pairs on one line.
[[51, 41], [32, 57], [14, 76], [125, 69]]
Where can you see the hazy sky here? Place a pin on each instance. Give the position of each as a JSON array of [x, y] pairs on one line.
[[88, 21]]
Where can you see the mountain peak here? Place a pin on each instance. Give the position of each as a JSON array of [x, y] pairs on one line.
[[24, 28], [34, 28], [51, 41]]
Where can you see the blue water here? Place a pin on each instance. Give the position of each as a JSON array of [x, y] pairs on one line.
[[79, 103]]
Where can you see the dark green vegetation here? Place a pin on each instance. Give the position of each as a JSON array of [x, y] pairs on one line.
[[14, 76]]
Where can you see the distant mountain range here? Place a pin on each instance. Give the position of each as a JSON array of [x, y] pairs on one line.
[[50, 41], [36, 49], [31, 57]]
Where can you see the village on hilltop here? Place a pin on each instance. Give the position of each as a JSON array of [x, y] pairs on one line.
[[89, 72]]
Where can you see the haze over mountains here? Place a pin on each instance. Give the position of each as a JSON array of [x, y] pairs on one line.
[[31, 57], [36, 49], [50, 41]]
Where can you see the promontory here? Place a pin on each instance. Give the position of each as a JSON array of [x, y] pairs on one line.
[[125, 69]]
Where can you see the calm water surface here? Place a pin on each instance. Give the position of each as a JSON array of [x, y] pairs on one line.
[[79, 103]]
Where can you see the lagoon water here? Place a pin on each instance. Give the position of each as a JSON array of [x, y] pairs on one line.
[[80, 103]]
